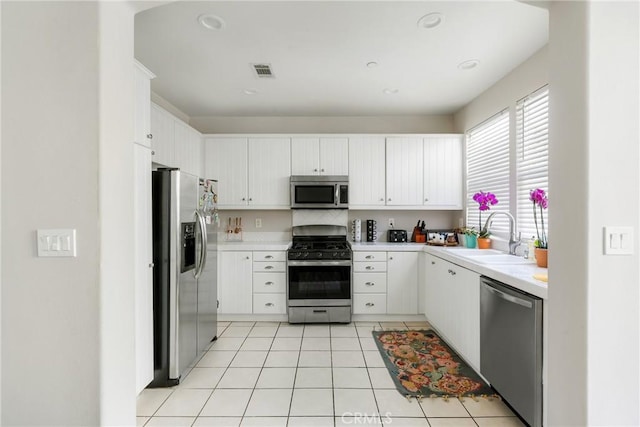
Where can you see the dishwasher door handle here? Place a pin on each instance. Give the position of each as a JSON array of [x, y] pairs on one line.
[[508, 297]]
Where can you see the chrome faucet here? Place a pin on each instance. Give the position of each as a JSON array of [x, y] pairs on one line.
[[513, 242]]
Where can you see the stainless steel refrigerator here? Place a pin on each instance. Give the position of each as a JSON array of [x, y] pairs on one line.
[[184, 275]]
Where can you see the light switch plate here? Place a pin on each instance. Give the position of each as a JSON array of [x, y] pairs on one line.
[[618, 241], [56, 242]]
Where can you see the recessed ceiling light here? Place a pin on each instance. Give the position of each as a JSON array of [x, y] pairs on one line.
[[468, 65], [431, 20], [250, 91], [211, 22], [388, 91], [372, 64]]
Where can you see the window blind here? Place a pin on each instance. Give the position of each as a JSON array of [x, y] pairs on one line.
[[488, 169], [532, 156]]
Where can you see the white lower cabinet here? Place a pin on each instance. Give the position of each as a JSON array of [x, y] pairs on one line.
[[452, 306], [385, 282], [369, 303], [252, 282], [402, 282], [235, 282]]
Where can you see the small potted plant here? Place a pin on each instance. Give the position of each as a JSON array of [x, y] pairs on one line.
[[540, 200], [470, 237], [485, 201]]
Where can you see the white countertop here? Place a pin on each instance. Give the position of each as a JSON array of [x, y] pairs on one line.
[[519, 276], [387, 246], [253, 246]]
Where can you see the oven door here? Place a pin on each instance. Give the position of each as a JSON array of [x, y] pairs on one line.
[[319, 283]]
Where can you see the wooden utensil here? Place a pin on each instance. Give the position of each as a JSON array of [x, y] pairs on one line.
[[237, 229], [229, 227]]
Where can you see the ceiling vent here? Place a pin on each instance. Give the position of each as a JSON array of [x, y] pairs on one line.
[[263, 70]]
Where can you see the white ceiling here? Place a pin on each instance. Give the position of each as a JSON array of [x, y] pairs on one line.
[[319, 51]]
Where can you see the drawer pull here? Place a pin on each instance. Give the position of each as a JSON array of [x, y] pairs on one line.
[[369, 267], [269, 304], [269, 267], [433, 263], [369, 284], [369, 257], [453, 273], [369, 304], [319, 311], [268, 283], [268, 257], [149, 136]]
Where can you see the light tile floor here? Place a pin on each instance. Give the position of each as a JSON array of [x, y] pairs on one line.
[[276, 374]]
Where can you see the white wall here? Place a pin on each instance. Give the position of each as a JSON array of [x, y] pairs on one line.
[[342, 124], [67, 342], [614, 176], [116, 217], [50, 134], [524, 79]]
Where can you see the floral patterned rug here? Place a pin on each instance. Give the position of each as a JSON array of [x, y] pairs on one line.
[[421, 364]]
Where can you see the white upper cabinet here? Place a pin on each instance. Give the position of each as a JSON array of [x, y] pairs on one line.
[[319, 156], [162, 144], [187, 148], [142, 107], [366, 172], [404, 171], [443, 171], [226, 161], [251, 172], [269, 172]]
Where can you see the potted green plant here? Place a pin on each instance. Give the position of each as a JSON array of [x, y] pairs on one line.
[[470, 237], [485, 201], [540, 200]]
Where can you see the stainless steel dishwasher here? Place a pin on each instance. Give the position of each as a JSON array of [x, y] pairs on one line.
[[511, 347]]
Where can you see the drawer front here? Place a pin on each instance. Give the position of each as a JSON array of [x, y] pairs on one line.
[[369, 256], [370, 267], [369, 283], [269, 304], [269, 256], [268, 267], [268, 283], [369, 303]]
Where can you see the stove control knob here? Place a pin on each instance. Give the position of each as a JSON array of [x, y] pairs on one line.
[[319, 254], [334, 255], [344, 255], [305, 254]]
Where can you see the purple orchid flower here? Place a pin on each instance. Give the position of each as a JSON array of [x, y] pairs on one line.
[[539, 198], [485, 201]]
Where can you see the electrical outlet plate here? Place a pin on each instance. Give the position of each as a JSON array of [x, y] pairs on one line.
[[258, 222], [618, 241], [392, 223]]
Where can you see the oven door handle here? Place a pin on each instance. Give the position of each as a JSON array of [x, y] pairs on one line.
[[319, 263]]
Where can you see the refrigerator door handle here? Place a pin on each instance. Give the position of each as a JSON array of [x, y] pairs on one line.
[[203, 244]]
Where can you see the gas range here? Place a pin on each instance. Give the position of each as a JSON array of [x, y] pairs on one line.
[[318, 248], [319, 275]]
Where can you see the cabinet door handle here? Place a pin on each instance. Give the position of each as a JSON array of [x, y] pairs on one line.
[[369, 257], [248, 258], [426, 200], [250, 199], [390, 258], [269, 267], [315, 170], [244, 199], [268, 257], [369, 304], [433, 263], [321, 170], [369, 283], [150, 136], [453, 273], [268, 283], [151, 265], [389, 198], [368, 267], [382, 199], [153, 153], [269, 304]]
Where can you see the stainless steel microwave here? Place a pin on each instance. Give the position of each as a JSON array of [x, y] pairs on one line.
[[319, 192]]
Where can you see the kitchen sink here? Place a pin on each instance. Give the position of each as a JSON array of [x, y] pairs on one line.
[[498, 259]]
